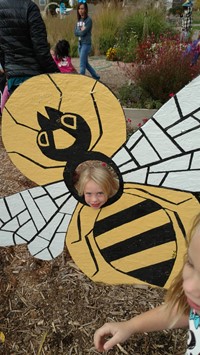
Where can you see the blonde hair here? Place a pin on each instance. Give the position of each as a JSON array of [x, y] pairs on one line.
[[175, 296], [101, 173]]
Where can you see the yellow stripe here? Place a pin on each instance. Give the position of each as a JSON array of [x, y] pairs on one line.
[[146, 258], [133, 228]]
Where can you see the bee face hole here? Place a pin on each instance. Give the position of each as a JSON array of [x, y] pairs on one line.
[[100, 172]]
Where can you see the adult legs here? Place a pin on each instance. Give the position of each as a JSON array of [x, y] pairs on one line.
[[84, 51]]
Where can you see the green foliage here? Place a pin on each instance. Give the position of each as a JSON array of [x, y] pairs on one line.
[[106, 41], [111, 54], [134, 96], [136, 27], [176, 10], [196, 14], [143, 22], [131, 24], [126, 50], [105, 25], [196, 7], [130, 95]]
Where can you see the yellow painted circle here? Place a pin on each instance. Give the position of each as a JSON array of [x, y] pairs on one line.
[[72, 93]]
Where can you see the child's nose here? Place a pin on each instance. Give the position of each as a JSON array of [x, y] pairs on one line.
[[94, 198], [192, 287]]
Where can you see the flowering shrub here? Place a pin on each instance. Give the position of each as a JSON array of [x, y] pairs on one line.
[[106, 41], [133, 28], [162, 67], [123, 50], [131, 128], [144, 120], [111, 54], [151, 48], [126, 49]]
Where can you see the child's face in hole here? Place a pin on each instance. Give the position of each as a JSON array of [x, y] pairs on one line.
[[94, 195], [191, 273]]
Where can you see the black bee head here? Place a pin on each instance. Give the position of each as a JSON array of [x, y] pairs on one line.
[[62, 133]]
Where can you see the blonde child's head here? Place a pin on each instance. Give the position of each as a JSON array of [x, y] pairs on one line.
[[176, 295], [101, 174]]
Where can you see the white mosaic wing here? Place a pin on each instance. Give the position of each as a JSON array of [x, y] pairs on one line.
[[165, 152], [39, 217]]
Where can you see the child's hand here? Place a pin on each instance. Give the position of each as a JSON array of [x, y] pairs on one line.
[[118, 333]]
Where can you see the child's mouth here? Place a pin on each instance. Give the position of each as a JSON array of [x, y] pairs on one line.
[[95, 206], [193, 305]]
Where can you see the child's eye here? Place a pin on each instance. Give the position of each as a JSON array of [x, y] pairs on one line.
[[100, 193]]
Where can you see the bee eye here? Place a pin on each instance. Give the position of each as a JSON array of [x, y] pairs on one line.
[[69, 121], [43, 139]]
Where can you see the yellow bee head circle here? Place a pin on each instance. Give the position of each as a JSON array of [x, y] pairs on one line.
[[49, 116]]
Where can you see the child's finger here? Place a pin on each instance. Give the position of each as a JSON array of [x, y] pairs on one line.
[[100, 339], [109, 344]]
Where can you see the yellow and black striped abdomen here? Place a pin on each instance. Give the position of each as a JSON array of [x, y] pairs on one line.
[[148, 239], [138, 239]]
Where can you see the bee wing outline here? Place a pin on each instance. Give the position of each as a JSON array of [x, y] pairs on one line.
[[39, 217], [165, 152]]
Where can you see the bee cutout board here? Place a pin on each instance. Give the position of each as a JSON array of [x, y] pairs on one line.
[[53, 123]]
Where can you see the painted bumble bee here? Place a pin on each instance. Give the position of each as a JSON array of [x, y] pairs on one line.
[[138, 236]]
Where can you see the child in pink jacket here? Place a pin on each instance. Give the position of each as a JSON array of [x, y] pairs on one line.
[[62, 58]]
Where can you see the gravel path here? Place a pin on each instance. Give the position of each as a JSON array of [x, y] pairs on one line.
[[111, 73]]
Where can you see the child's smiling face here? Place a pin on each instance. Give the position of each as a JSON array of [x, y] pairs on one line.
[[191, 273], [94, 195]]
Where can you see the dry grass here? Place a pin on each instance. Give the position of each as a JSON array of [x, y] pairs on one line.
[[62, 29]]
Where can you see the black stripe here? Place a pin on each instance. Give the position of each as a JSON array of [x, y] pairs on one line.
[[151, 238], [127, 215], [156, 274]]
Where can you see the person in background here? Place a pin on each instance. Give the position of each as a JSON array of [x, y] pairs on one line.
[[186, 20], [62, 58], [194, 49], [62, 9], [181, 309], [24, 49], [83, 31]]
